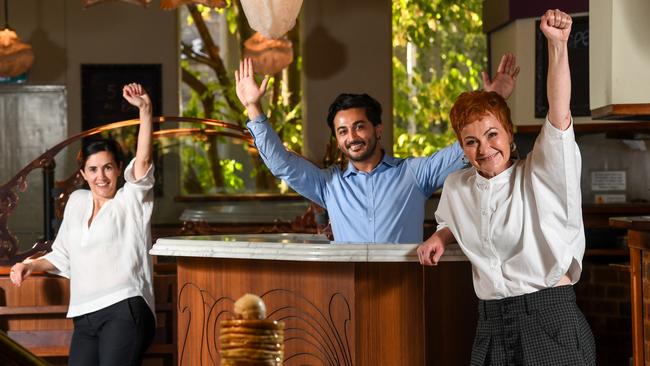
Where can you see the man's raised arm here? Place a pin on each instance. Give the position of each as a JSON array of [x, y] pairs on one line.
[[300, 174]]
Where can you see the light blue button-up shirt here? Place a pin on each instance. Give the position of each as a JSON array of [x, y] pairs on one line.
[[383, 206]]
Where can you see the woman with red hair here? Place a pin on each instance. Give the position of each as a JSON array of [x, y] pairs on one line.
[[519, 222]]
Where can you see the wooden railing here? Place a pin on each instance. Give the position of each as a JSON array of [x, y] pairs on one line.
[[9, 197], [13, 354]]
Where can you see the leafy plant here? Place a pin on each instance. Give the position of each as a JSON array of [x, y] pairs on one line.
[[438, 53], [213, 96]]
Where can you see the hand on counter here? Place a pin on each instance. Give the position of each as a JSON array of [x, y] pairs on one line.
[[432, 249], [19, 272]]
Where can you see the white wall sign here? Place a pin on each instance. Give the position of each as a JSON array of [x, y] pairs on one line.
[[608, 180]]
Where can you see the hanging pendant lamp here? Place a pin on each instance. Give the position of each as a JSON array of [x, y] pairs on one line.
[[269, 56], [16, 57], [173, 4], [87, 3], [272, 18]]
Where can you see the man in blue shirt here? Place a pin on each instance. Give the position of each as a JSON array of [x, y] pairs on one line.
[[378, 198]]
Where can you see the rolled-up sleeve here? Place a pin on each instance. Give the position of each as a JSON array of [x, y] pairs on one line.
[[59, 256], [139, 187]]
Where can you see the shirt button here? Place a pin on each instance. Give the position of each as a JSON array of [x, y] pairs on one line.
[[369, 218], [484, 212]]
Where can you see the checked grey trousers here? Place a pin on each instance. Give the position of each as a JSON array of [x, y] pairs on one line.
[[541, 328]]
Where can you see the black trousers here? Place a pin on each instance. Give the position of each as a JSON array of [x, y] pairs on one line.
[[541, 328], [116, 335]]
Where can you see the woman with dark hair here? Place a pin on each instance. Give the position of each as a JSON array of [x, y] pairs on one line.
[[102, 247], [519, 222]]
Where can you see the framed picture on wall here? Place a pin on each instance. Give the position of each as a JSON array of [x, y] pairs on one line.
[[101, 91], [102, 103]]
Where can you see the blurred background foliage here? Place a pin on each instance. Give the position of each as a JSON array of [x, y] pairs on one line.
[[215, 165], [438, 52]]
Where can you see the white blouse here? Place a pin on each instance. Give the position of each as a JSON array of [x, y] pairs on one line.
[[521, 230], [108, 261]]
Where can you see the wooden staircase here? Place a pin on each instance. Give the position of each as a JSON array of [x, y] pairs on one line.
[[36, 331]]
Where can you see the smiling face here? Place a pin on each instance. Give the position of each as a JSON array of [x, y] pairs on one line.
[[101, 172], [355, 134], [487, 145]]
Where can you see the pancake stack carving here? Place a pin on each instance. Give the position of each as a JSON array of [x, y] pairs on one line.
[[251, 339]]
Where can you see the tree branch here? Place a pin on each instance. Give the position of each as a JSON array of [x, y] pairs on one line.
[[213, 53], [207, 98], [200, 58]]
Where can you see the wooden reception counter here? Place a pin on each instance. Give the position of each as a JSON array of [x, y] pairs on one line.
[[342, 303]]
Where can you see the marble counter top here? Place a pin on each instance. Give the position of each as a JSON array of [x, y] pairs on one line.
[[290, 247]]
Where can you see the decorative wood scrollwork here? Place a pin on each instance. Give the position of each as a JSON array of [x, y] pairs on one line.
[[314, 333]]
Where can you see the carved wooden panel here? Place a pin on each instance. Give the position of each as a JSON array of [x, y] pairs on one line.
[[318, 314], [336, 313]]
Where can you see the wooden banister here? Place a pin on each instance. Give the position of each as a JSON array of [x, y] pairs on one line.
[[12, 353], [9, 198]]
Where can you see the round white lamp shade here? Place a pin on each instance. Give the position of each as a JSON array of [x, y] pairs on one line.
[[272, 18]]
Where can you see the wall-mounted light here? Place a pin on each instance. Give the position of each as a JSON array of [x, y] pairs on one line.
[[16, 57]]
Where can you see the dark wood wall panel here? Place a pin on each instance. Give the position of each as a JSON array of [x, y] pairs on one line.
[[42, 291], [390, 320], [452, 312]]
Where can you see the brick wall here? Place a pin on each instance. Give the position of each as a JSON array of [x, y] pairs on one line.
[[603, 295]]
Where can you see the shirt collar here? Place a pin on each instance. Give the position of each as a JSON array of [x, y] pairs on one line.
[[386, 159], [503, 176]]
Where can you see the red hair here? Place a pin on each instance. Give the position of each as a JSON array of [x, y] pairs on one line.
[[472, 106]]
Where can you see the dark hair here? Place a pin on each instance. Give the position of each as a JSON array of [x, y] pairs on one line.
[[94, 146], [348, 101]]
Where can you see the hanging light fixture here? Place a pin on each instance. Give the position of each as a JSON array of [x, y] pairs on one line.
[[272, 18], [16, 57], [269, 56], [87, 3], [173, 4]]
